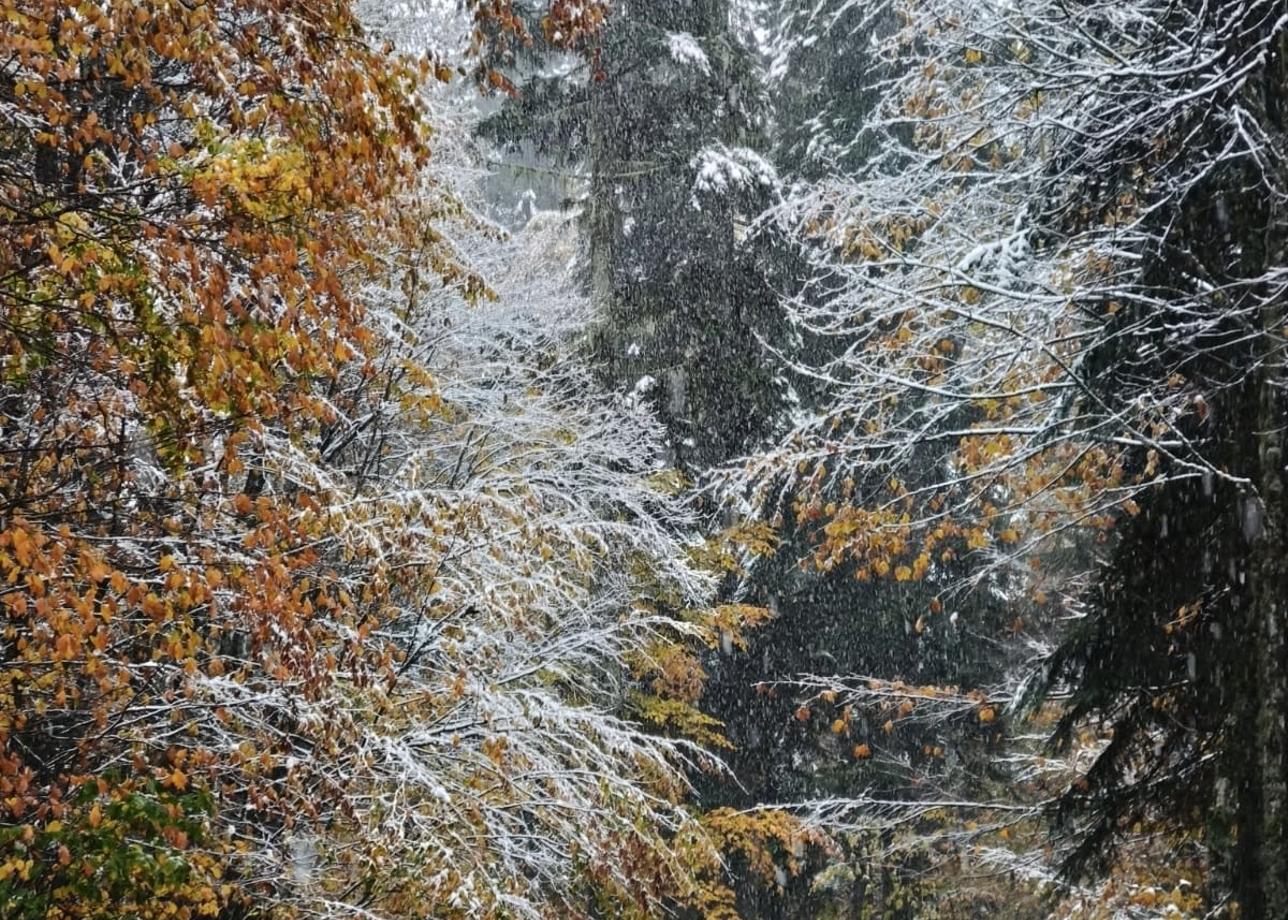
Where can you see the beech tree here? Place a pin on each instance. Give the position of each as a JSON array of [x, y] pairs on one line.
[[546, 598], [179, 184], [326, 593], [1055, 292]]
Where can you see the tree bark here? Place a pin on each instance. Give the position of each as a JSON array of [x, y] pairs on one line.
[[1270, 549]]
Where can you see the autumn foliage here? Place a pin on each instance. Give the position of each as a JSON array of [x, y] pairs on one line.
[[259, 579], [180, 186]]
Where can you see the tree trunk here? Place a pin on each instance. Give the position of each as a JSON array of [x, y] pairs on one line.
[[1270, 656], [1269, 562]]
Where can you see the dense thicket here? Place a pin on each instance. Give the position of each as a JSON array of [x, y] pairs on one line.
[[393, 467], [332, 584], [1055, 288]]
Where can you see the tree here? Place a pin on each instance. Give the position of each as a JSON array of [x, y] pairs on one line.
[[178, 215], [822, 68], [654, 138], [823, 65], [326, 594], [548, 563], [1055, 297]]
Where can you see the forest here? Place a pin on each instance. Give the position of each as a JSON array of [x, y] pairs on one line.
[[628, 459]]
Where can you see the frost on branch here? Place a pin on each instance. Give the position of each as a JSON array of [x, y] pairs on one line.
[[1044, 316], [529, 571], [331, 583]]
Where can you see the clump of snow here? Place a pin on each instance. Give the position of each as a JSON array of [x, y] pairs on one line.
[[723, 169], [642, 391], [999, 261], [685, 49]]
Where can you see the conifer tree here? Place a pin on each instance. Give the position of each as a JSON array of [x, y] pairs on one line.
[[655, 138]]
